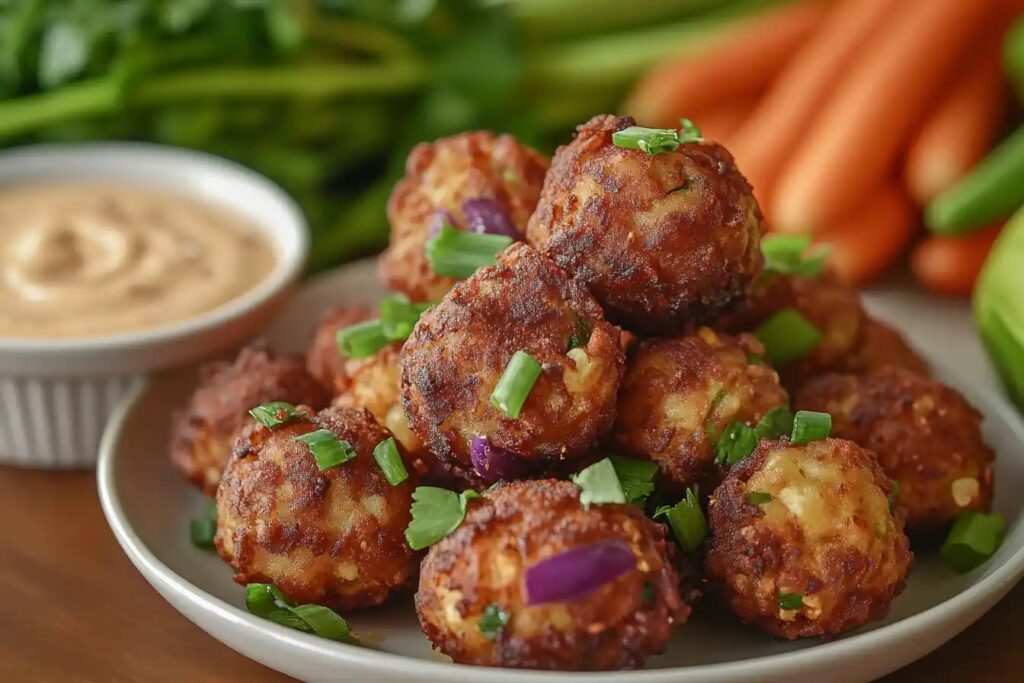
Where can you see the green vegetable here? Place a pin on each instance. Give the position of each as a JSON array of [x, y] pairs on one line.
[[810, 426], [275, 414], [398, 316], [389, 461], [268, 602], [1013, 55], [992, 189], [788, 254], [636, 478], [974, 538], [362, 340], [737, 442], [787, 336], [776, 423], [492, 621], [686, 518], [515, 384], [790, 601], [656, 141], [436, 512], [202, 529], [758, 497], [999, 307], [459, 254], [327, 449], [599, 483]]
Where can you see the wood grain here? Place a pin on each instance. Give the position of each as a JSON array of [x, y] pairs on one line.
[[72, 608]]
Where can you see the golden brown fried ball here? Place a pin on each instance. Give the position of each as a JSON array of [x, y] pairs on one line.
[[925, 435], [678, 395], [203, 431], [441, 176], [461, 347], [881, 345], [811, 521], [662, 241], [487, 561], [333, 537]]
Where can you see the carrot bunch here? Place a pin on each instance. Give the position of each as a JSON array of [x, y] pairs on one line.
[[850, 116]]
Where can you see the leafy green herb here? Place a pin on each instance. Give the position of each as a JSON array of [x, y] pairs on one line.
[[275, 414], [599, 483], [758, 497], [203, 529], [636, 478], [790, 601], [738, 441], [327, 449], [436, 512], [775, 424], [686, 518], [493, 621], [389, 460], [656, 141], [268, 602]]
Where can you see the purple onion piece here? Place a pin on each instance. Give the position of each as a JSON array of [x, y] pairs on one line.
[[439, 218], [491, 462], [487, 216], [578, 571]]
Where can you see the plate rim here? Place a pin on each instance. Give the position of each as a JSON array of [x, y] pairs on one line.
[[986, 591]]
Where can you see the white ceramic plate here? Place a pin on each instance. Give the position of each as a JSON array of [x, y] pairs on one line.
[[148, 506]]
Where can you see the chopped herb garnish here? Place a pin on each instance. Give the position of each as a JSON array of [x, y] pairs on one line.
[[810, 426], [776, 423], [327, 449], [459, 254], [710, 426], [202, 529], [790, 601], [398, 316], [436, 512], [974, 538], [492, 621], [362, 340], [738, 441], [788, 254], [599, 483], [758, 497], [786, 336], [514, 386], [895, 493], [275, 414], [655, 141], [268, 602], [688, 131], [686, 518], [636, 477], [389, 460]]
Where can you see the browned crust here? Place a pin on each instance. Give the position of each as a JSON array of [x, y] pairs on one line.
[[881, 345]]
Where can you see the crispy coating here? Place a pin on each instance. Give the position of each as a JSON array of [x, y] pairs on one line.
[[827, 534], [679, 394], [486, 560], [925, 435], [662, 241], [203, 431], [335, 537], [439, 177], [460, 348], [881, 345]]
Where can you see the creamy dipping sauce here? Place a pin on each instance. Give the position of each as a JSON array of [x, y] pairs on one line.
[[87, 259]]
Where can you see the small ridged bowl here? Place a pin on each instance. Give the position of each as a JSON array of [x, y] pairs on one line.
[[57, 394]]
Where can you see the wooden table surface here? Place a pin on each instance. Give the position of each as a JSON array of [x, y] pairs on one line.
[[72, 607]]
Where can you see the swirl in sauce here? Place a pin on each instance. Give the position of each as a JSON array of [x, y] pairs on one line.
[[86, 260]]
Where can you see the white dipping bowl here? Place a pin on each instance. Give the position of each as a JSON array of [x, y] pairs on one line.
[[56, 394]]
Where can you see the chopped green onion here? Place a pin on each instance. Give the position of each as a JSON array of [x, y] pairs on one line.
[[362, 340], [599, 484], [436, 512], [202, 529], [786, 254], [327, 449], [636, 478], [737, 443], [790, 601], [514, 386], [810, 426], [459, 254], [492, 621], [895, 493], [275, 414], [758, 497], [776, 423], [390, 461], [787, 335], [687, 520], [398, 316], [268, 602], [656, 141], [974, 538], [688, 131]]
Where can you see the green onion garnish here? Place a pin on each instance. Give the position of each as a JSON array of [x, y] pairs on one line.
[[758, 497], [492, 621], [787, 335], [327, 449], [275, 414], [398, 316], [790, 601], [895, 493], [636, 477], [687, 520], [599, 484], [390, 461], [362, 340], [656, 140], [202, 529], [786, 254], [459, 254], [810, 426], [514, 387], [776, 423], [436, 512], [268, 602], [974, 538], [737, 442]]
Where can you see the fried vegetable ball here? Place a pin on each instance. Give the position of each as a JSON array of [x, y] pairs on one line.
[[332, 537], [580, 589], [881, 345], [803, 542], [440, 178], [925, 435], [679, 395], [204, 430], [662, 241], [461, 347]]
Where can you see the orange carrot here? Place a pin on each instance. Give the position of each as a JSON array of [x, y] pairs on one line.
[[854, 142], [767, 139], [866, 244], [950, 265], [721, 122], [963, 126], [741, 64]]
